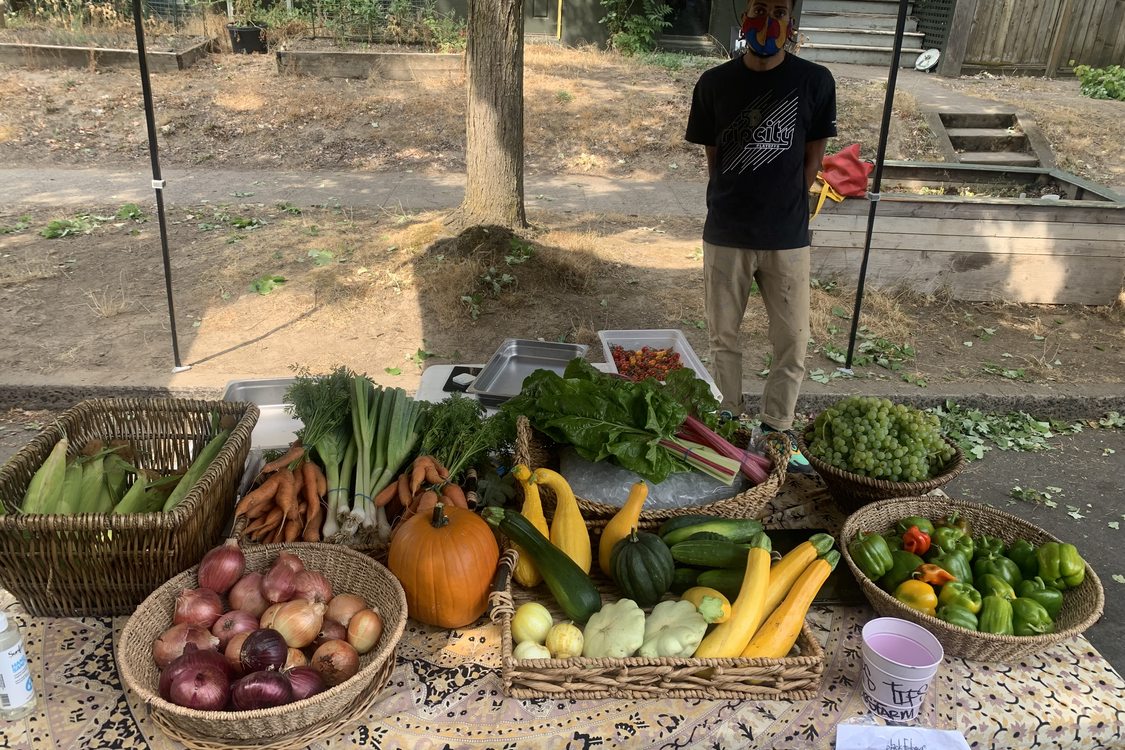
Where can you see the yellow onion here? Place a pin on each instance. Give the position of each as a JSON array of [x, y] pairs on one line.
[[336, 661], [298, 622], [364, 630], [296, 658], [343, 606], [233, 652], [221, 567], [269, 614]]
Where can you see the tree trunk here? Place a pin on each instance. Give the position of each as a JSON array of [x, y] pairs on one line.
[[494, 117]]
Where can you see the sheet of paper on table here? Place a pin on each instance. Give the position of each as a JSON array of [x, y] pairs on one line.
[[874, 737]]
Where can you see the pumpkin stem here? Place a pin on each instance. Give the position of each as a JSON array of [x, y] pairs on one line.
[[439, 518]]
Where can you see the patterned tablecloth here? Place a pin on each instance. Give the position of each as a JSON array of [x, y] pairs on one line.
[[446, 692]]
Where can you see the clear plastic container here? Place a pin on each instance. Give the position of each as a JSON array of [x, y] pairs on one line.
[[657, 338], [17, 691]]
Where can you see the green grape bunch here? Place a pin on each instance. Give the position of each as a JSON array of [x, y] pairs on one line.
[[876, 438]]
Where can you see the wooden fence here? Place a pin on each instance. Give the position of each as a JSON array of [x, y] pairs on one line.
[[1038, 36]]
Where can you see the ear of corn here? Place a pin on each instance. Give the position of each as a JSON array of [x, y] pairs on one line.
[[91, 495], [202, 460], [44, 491], [134, 499], [71, 497]]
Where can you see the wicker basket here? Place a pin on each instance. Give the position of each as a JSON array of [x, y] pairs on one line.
[[1082, 606], [532, 451], [852, 491], [106, 564], [794, 678], [291, 726]]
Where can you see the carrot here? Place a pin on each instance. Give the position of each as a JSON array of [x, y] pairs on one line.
[[386, 494], [310, 531], [426, 502], [455, 495], [265, 491], [292, 531], [296, 451], [287, 494], [418, 474], [405, 495], [321, 480], [433, 476]]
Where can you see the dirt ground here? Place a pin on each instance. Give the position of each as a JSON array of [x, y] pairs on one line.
[[388, 292]]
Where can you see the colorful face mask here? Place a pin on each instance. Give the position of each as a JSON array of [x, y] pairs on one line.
[[764, 36]]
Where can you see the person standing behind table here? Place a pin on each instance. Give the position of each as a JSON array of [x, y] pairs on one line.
[[764, 119]]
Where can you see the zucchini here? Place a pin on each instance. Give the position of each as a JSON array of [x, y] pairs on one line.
[[701, 536], [683, 579], [681, 528], [711, 554], [568, 583], [728, 581]]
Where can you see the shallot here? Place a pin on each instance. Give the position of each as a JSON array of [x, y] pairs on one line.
[[289, 560], [305, 682], [222, 567], [171, 643], [343, 606], [197, 607], [247, 595], [312, 586], [231, 624], [330, 630], [261, 690], [336, 661], [279, 583]]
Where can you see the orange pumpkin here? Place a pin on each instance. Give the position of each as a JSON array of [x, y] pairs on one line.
[[445, 561]]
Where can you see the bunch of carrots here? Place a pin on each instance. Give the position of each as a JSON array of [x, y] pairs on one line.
[[419, 488], [286, 506]]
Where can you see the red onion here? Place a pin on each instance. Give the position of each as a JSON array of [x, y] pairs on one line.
[[247, 595], [364, 630], [336, 661], [170, 645], [263, 649], [312, 586], [279, 583], [342, 607], [198, 679], [330, 630], [305, 682], [197, 607], [261, 690], [233, 652], [231, 624], [221, 567], [289, 560]]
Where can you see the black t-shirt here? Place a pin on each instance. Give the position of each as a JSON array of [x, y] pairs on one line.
[[759, 123]]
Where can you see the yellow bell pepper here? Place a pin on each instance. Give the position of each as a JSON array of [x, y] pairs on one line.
[[917, 595]]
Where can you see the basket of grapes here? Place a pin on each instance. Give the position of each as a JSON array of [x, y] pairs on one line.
[[867, 448]]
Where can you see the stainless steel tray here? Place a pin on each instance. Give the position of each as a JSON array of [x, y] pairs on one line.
[[275, 428], [503, 375]]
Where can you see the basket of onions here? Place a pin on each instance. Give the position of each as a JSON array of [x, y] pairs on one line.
[[272, 646]]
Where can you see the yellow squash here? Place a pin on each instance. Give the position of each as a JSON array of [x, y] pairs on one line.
[[788, 569], [728, 639], [779, 632], [568, 529], [624, 521], [525, 573]]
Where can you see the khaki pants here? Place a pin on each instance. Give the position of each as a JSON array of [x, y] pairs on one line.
[[783, 278]]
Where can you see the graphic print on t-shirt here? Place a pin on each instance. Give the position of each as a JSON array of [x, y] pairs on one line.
[[762, 132]]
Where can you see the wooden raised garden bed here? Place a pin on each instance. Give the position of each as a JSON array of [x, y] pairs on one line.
[[100, 58], [388, 65], [983, 247]]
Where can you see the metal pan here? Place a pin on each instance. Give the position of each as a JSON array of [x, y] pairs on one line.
[[503, 375]]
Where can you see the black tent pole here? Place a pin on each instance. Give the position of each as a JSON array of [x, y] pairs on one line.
[[873, 195], [157, 180]]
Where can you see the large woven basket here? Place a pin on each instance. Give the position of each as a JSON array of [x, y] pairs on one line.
[[853, 491], [106, 564], [291, 726], [531, 449], [796, 677], [1082, 606]]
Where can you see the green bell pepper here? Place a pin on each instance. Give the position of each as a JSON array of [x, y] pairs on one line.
[[893, 538], [997, 565], [962, 595], [995, 616], [924, 524], [951, 539], [956, 564], [1029, 617], [1035, 588], [1022, 553], [903, 565], [955, 520], [956, 615], [1060, 565], [990, 584], [985, 544], [871, 555]]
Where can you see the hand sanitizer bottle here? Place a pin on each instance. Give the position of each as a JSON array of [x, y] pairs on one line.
[[17, 692]]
